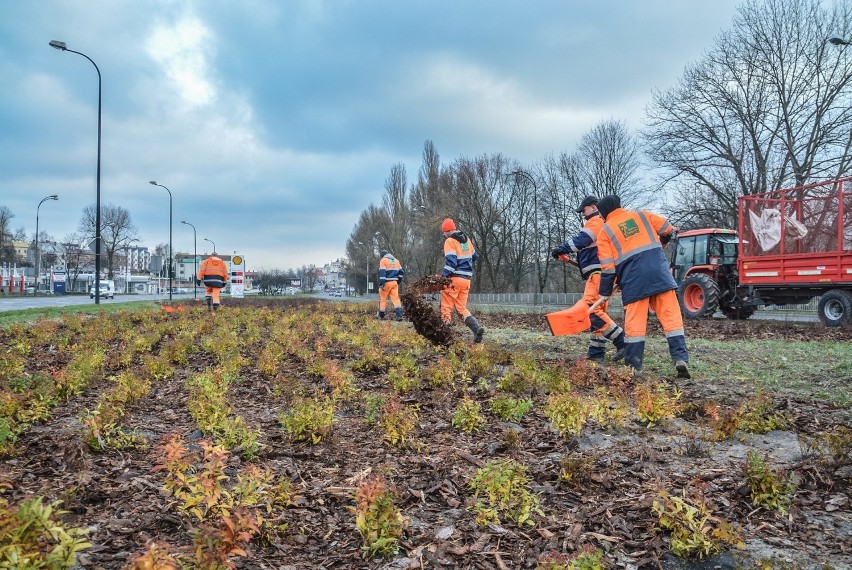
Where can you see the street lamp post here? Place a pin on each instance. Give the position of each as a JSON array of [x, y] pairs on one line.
[[61, 46], [211, 241], [37, 265], [194, 261], [366, 270], [171, 272]]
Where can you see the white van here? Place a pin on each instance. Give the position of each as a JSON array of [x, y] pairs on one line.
[[107, 289]]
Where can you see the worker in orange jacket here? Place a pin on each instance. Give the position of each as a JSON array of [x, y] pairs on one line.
[[390, 276], [459, 258], [630, 246], [214, 274], [585, 246]]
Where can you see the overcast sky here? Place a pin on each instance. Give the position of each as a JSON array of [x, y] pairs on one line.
[[275, 122]]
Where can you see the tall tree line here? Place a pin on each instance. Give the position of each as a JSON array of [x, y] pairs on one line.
[[769, 106]]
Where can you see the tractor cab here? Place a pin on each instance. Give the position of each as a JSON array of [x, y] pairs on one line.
[[706, 249], [704, 265]]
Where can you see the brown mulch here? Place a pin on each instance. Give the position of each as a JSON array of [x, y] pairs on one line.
[[421, 312], [120, 499]]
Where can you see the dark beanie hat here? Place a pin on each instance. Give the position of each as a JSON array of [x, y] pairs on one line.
[[607, 204]]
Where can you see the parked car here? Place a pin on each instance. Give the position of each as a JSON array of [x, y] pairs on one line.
[[107, 289]]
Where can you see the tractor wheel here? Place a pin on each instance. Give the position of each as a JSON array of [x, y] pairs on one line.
[[835, 308], [738, 313], [699, 296]]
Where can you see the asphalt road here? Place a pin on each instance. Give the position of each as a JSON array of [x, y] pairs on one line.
[[16, 303]]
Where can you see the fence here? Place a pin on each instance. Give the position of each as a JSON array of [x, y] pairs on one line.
[[548, 301]]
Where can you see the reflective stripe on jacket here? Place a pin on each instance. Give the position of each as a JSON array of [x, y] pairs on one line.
[[213, 272], [459, 256], [631, 254], [390, 269], [585, 245]]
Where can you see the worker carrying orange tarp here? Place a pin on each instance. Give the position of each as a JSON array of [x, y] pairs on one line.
[[390, 276], [630, 247], [585, 246], [214, 274]]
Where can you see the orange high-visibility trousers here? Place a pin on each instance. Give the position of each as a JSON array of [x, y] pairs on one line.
[[603, 328], [455, 297], [590, 296], [212, 292], [636, 325], [389, 289]]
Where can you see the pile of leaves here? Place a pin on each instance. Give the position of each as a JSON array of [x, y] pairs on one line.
[[421, 312]]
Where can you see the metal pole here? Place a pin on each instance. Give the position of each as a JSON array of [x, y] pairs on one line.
[[61, 46], [154, 182], [37, 264], [194, 261]]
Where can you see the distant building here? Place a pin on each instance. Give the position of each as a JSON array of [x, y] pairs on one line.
[[334, 274]]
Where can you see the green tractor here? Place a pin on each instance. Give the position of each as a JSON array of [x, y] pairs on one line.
[[704, 264]]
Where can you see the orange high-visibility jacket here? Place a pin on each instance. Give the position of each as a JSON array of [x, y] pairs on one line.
[[390, 269], [631, 254], [459, 256], [213, 272]]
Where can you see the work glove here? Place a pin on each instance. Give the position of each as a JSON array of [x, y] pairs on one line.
[[197, 281], [556, 253]]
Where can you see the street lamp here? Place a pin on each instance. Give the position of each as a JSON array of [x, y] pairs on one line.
[[839, 42], [211, 241], [153, 182], [366, 271], [194, 261], [61, 46], [37, 266]]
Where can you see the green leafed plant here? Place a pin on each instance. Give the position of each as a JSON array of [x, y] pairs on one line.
[[567, 412], [309, 420], [468, 416], [501, 489], [768, 487], [654, 403], [695, 532], [511, 409], [587, 559], [32, 536], [377, 518], [398, 421]]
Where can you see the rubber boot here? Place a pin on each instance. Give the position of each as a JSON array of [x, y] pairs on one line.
[[474, 326], [215, 306], [620, 347], [381, 315], [209, 303], [682, 369], [597, 349], [398, 312]]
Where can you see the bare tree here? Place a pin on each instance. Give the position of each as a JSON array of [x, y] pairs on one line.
[[396, 236], [608, 162], [769, 106], [117, 230], [7, 250], [77, 257], [362, 248]]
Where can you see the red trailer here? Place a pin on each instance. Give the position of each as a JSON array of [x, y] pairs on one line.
[[792, 245], [796, 244]]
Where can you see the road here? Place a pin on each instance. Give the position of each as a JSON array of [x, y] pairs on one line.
[[8, 303]]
